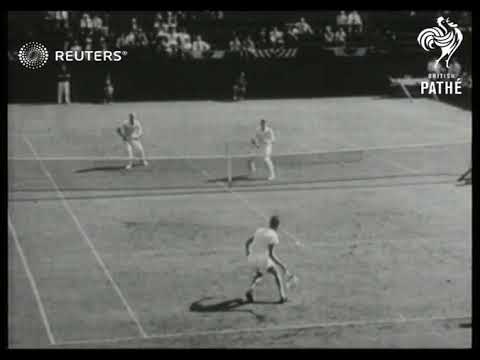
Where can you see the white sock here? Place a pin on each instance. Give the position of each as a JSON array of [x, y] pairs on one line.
[[252, 166]]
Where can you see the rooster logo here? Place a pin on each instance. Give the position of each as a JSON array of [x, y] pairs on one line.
[[448, 38]]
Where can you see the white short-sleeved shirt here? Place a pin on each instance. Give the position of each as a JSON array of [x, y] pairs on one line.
[[262, 238], [259, 255], [265, 137], [132, 132]]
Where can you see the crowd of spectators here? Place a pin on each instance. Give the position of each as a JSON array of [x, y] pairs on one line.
[[292, 34], [168, 33], [164, 34], [175, 34]]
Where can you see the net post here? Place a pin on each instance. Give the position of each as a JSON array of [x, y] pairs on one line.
[[229, 165]]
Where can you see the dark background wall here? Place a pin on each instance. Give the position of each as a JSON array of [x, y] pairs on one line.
[[147, 79]]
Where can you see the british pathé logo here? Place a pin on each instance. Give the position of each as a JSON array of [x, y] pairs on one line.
[[444, 76], [447, 37]]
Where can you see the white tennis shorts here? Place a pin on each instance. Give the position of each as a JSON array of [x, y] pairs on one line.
[[260, 262], [265, 151], [134, 144]]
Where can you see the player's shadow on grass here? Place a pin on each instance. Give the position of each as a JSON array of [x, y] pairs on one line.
[[106, 168], [232, 305], [234, 178], [100, 168]]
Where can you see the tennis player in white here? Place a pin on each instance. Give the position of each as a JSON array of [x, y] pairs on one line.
[[131, 131], [263, 141], [261, 258]]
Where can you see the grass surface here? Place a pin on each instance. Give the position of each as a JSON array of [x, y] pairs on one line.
[[385, 263]]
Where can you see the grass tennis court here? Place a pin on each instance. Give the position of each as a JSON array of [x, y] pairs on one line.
[[155, 257]]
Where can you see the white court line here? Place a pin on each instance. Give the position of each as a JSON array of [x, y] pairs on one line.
[[31, 135], [398, 165], [89, 242], [208, 157], [33, 284], [400, 320]]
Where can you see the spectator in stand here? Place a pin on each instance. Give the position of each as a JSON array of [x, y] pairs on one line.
[[165, 48], [68, 40], [434, 68], [200, 47], [184, 43], [158, 20], [263, 39], [86, 23], [276, 37], [304, 28], [185, 46], [97, 23], [162, 32], [66, 45], [249, 47], [183, 35], [133, 24], [104, 30], [455, 68], [235, 46], [172, 42], [121, 42], [342, 19], [171, 18], [88, 44], [61, 18], [63, 85], [76, 47], [129, 40], [181, 17], [292, 34], [240, 87], [340, 37], [103, 44], [50, 15], [158, 47], [108, 90], [141, 38], [355, 23], [466, 80], [328, 36]]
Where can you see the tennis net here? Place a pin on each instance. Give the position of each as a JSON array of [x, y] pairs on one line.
[[432, 160], [446, 161]]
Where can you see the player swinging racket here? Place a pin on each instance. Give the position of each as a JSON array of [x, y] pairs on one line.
[[131, 131], [263, 141], [261, 257]]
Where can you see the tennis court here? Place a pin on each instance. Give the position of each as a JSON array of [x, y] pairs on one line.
[[372, 223]]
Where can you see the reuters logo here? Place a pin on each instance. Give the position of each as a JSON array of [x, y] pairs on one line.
[[33, 55]]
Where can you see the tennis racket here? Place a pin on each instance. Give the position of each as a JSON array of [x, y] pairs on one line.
[[120, 133], [291, 281]]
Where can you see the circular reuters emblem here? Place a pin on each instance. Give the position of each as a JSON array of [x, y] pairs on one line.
[[33, 55]]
